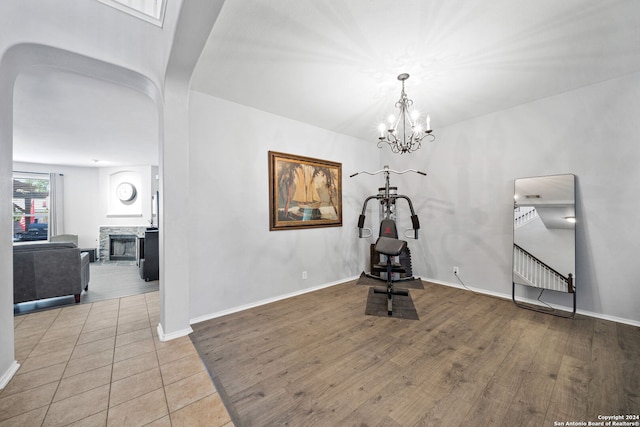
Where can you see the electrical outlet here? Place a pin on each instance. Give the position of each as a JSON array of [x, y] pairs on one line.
[[304, 275], [456, 270]]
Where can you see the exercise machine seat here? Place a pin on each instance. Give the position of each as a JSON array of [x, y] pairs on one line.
[[390, 246]]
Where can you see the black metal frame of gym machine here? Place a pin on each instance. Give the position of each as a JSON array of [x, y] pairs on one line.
[[388, 200]]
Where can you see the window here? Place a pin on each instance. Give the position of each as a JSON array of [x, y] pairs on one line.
[[31, 204], [147, 10]]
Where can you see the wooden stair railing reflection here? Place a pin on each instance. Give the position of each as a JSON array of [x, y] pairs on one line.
[[538, 273], [526, 216], [541, 276]]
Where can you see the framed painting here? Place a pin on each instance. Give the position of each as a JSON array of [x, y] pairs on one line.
[[304, 192]]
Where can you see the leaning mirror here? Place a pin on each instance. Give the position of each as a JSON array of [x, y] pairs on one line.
[[544, 238]]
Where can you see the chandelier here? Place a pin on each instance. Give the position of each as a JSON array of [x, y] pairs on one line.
[[404, 132]]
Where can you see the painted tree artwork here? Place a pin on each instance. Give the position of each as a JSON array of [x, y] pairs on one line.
[[304, 192]]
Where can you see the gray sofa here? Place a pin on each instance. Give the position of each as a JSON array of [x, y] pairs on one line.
[[47, 270]]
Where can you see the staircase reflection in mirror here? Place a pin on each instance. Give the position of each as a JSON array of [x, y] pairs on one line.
[[544, 240]]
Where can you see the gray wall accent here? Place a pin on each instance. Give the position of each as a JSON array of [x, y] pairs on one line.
[[234, 260], [466, 202]]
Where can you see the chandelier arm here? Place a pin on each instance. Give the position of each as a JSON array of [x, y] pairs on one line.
[[394, 125], [410, 118], [406, 119]]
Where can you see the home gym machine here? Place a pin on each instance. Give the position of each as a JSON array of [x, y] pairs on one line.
[[394, 256]]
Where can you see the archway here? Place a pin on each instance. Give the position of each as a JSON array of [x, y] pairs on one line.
[[20, 59]]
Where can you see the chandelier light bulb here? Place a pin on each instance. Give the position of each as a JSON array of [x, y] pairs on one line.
[[391, 119], [405, 133]]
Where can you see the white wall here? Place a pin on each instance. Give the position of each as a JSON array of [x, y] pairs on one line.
[[466, 203], [113, 212], [234, 259], [193, 27], [8, 364]]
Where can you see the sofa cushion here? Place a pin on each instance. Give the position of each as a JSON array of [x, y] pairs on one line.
[[45, 246]]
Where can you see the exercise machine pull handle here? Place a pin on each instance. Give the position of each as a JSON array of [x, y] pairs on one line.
[[363, 235], [411, 233], [361, 228], [415, 222]]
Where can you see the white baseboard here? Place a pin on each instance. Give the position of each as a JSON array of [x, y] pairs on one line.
[[6, 377], [268, 300], [173, 335], [439, 282], [536, 302]]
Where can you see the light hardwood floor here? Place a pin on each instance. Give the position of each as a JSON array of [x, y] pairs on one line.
[[316, 359]]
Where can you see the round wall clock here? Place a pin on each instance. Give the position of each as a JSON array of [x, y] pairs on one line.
[[126, 191]]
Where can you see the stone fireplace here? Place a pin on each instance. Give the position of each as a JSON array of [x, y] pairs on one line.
[[119, 243]]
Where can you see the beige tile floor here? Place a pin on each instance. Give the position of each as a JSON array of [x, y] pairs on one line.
[[102, 364]]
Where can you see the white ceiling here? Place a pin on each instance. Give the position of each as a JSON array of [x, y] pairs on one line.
[[66, 118], [334, 64], [552, 196]]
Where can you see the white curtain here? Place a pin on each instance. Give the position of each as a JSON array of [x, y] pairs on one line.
[[56, 204]]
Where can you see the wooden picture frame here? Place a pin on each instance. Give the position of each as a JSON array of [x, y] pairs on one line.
[[304, 192]]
